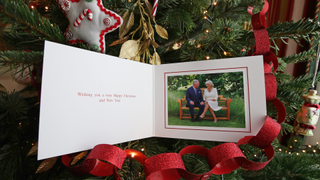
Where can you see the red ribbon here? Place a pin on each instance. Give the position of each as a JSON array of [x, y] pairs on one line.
[[307, 126], [222, 159], [312, 105]]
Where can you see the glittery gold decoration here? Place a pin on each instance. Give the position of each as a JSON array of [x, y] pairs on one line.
[[78, 157], [33, 150], [46, 165], [162, 32], [130, 50]]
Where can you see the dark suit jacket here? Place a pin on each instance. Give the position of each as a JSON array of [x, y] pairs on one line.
[[191, 96]]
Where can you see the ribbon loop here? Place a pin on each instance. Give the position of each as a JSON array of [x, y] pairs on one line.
[[270, 86], [163, 166], [221, 158], [262, 42], [282, 114], [266, 135], [109, 153], [258, 20], [254, 166], [202, 151], [271, 57]]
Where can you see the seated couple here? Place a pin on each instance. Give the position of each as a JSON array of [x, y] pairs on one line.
[[209, 101]]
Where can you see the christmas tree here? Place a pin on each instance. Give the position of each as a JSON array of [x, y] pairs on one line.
[[182, 30]]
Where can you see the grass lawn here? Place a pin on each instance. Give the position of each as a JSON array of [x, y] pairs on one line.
[[174, 120], [237, 113]]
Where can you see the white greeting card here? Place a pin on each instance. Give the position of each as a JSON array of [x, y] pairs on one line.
[[90, 98]]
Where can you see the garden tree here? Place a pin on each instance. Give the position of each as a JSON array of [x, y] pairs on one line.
[[227, 84], [190, 38]]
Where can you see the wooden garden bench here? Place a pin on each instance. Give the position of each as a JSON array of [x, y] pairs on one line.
[[223, 102]]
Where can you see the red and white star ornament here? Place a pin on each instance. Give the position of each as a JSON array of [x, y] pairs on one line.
[[89, 21]]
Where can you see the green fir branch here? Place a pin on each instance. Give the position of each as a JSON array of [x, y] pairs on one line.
[[19, 61], [287, 166], [236, 9], [168, 4], [294, 30], [296, 58], [299, 84], [19, 12], [286, 128], [21, 41]]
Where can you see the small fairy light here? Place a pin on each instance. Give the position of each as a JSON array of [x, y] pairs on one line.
[[280, 150], [206, 18], [309, 146], [295, 140], [314, 151], [207, 31], [132, 155], [46, 7], [317, 142], [255, 155], [289, 153], [32, 6], [225, 53], [205, 11], [208, 57], [304, 151], [20, 124], [286, 151], [290, 147], [298, 154], [32, 144], [52, 25], [215, 3], [142, 149], [199, 46]]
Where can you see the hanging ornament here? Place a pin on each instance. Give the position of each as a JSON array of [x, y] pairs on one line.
[[24, 78], [308, 114], [89, 21]]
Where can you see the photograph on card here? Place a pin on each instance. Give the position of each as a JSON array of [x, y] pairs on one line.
[[206, 99]]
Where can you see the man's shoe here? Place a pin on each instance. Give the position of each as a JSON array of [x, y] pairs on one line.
[[197, 118], [192, 118]]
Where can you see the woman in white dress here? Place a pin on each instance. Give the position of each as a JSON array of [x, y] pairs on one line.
[[210, 95]]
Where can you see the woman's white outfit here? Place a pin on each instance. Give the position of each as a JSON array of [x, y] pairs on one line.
[[213, 94]]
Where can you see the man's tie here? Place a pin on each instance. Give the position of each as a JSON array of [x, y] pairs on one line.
[[195, 91]]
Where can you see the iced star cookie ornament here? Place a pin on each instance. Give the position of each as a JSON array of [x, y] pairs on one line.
[[89, 21]]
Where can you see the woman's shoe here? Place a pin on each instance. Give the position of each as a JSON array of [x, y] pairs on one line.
[[201, 117]]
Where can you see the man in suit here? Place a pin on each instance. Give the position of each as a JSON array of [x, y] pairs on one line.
[[194, 99]]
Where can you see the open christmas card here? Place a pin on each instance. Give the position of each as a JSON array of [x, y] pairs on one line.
[[99, 99]]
